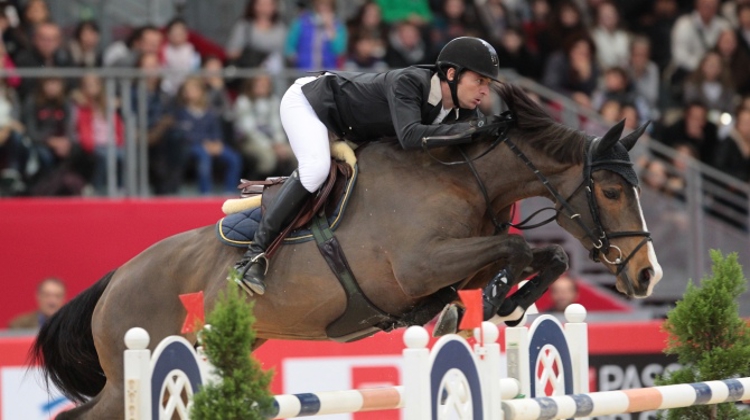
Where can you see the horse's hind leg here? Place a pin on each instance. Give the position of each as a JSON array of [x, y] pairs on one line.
[[549, 262], [80, 411], [108, 404]]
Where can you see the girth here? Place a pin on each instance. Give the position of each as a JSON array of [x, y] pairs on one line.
[[361, 318]]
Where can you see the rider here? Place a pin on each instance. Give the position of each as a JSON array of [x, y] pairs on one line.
[[408, 104]]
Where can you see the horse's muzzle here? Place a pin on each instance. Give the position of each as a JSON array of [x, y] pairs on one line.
[[639, 288]]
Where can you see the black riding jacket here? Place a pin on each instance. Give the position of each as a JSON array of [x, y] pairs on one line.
[[403, 103]]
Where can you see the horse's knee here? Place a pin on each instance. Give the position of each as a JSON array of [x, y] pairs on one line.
[[559, 259], [518, 250]]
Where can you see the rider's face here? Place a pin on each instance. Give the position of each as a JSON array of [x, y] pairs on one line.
[[472, 89]]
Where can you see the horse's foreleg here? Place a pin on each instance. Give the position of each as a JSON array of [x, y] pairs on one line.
[[549, 262], [452, 261]]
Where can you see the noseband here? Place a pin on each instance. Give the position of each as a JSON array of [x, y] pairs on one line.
[[599, 237]]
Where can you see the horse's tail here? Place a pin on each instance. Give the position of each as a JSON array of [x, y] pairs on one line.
[[65, 348]]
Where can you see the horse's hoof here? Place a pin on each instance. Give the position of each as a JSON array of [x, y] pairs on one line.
[[447, 322], [511, 317]]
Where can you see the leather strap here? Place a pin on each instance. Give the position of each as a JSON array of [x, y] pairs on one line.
[[361, 317]]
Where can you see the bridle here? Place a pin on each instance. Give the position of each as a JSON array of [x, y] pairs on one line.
[[599, 237]]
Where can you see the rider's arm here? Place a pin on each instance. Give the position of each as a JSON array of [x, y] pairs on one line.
[[405, 99]]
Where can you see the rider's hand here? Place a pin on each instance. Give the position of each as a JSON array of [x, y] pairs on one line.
[[488, 126]]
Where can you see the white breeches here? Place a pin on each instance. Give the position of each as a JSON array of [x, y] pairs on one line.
[[308, 137]]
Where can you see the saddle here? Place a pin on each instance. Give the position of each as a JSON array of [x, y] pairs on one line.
[[326, 199]]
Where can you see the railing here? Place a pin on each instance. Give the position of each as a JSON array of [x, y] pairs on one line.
[[119, 83]]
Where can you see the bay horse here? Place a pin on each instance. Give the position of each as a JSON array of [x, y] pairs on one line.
[[413, 227]]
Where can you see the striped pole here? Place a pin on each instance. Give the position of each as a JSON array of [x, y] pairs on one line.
[[628, 401], [352, 401], [337, 402]]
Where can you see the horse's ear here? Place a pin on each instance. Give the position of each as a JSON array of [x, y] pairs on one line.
[[629, 140], [611, 138]]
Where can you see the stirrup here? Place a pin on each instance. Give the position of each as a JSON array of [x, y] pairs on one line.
[[254, 260]]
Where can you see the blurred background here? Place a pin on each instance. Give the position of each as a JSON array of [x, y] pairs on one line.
[[125, 122]]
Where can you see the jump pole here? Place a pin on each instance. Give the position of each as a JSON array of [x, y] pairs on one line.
[[628, 401]]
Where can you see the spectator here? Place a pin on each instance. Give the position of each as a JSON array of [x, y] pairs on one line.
[[416, 11], [609, 111], [165, 150], [6, 63], [657, 27], [695, 132], [736, 60], [219, 101], [12, 34], [694, 34], [745, 102], [452, 22], [537, 24], [84, 47], [612, 43], [617, 87], [368, 23], [406, 47], [495, 19], [644, 74], [46, 116], [513, 53], [259, 38], [258, 124], [91, 129], [143, 40], [743, 31], [200, 129], [563, 292], [317, 39], [13, 153], [362, 55], [566, 23], [178, 55], [35, 12], [45, 52], [711, 84], [574, 70], [733, 154], [50, 297]]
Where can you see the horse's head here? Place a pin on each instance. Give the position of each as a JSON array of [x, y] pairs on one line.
[[603, 211]]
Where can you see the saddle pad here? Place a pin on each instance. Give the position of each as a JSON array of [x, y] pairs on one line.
[[238, 229]]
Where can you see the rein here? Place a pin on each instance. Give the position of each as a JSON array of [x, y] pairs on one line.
[[598, 236]]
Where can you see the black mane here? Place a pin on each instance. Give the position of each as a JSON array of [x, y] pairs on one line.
[[539, 130]]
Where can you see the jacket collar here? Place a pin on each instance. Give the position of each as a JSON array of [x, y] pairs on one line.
[[436, 94]]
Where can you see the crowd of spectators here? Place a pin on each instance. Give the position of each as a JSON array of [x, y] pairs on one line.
[[684, 64]]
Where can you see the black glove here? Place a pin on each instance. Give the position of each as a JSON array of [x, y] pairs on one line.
[[489, 126], [480, 128]]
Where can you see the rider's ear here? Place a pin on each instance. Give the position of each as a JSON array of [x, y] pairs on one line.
[[629, 140], [612, 137], [450, 74]]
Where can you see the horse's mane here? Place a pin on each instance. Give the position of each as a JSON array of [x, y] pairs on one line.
[[539, 130]]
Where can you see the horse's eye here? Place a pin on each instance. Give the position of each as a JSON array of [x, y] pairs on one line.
[[612, 194]]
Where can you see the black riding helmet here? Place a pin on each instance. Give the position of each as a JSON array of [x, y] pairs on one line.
[[467, 53]]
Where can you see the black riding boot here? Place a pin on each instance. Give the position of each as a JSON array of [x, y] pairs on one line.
[[254, 264]]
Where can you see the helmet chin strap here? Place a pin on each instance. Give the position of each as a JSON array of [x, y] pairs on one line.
[[453, 84]]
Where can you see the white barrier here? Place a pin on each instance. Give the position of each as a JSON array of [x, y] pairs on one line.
[[451, 378]]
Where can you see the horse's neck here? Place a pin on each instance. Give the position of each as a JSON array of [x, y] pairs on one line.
[[509, 179], [506, 177]]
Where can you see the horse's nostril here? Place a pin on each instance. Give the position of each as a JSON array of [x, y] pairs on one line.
[[645, 276]]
